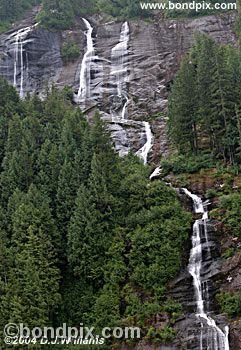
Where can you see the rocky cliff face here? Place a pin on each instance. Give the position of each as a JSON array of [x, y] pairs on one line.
[[189, 328], [33, 61]]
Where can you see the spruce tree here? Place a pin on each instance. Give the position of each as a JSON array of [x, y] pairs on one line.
[[31, 291], [183, 108], [90, 227]]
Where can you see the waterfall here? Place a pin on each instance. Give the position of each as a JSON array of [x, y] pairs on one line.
[[119, 70], [144, 151], [20, 57], [85, 71], [216, 338], [155, 174]]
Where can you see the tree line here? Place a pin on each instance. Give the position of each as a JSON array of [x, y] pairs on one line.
[[85, 236], [10, 10], [61, 14], [205, 102]]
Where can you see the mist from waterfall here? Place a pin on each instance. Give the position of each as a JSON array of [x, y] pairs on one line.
[[216, 338]]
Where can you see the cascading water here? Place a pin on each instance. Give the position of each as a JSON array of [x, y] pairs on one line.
[[156, 173], [216, 339], [21, 57], [85, 71], [119, 70], [91, 88], [144, 151]]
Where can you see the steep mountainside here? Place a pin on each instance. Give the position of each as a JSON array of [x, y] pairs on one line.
[[125, 70], [31, 60]]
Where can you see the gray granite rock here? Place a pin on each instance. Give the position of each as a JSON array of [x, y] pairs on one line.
[[154, 53]]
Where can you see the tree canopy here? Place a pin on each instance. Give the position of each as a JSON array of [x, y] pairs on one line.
[[204, 106], [85, 236]]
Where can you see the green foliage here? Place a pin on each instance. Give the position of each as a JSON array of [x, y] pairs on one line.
[[137, 312], [211, 193], [106, 309], [181, 163], [32, 287], [56, 14], [183, 107], [238, 20], [166, 335], [11, 10], [122, 8], [4, 27], [172, 307], [70, 51], [61, 14], [210, 120], [84, 7], [228, 253], [132, 9], [231, 212], [230, 303], [85, 236]]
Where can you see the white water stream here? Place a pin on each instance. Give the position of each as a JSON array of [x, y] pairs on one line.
[[85, 70], [144, 151], [118, 80], [216, 338], [119, 68], [20, 62]]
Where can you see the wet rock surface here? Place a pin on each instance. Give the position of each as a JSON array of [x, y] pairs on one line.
[[154, 53], [231, 283], [235, 335], [189, 327], [41, 59]]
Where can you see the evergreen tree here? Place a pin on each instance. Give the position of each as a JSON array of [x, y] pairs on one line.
[[221, 107], [183, 108], [79, 223], [203, 56], [12, 9], [49, 165], [31, 288], [90, 228], [102, 146], [57, 14], [215, 103]]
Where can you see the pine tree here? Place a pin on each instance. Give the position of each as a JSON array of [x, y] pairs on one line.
[[31, 289], [90, 227], [22, 149], [57, 14], [66, 195], [71, 172], [203, 55], [102, 146], [32, 208], [222, 107], [234, 131], [49, 165], [183, 108]]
